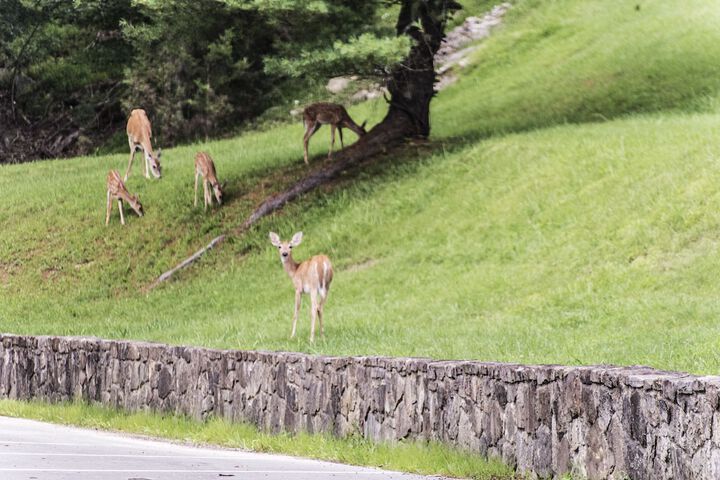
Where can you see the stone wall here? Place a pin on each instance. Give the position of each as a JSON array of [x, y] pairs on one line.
[[599, 422]]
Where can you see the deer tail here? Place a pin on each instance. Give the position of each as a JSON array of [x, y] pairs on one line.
[[326, 272]]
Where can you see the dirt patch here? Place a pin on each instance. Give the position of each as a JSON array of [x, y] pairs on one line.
[[84, 264], [7, 271], [50, 273]]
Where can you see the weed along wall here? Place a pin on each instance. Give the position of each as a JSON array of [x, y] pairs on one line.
[[601, 422]]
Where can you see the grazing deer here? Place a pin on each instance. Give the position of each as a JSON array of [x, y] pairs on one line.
[[139, 133], [318, 114], [313, 276], [204, 166], [116, 190]]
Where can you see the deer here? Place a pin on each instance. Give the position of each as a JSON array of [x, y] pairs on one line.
[[318, 114], [313, 277], [205, 166], [116, 191], [139, 132]]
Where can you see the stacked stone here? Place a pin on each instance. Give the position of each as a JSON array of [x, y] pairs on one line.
[[598, 422]]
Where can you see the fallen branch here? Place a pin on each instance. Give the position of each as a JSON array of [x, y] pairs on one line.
[[188, 261], [62, 142]]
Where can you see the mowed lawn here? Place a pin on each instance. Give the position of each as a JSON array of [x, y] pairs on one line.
[[566, 211]]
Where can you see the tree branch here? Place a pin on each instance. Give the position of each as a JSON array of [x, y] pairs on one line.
[[187, 262]]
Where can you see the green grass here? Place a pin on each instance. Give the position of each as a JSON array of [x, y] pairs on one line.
[[560, 243], [415, 457]]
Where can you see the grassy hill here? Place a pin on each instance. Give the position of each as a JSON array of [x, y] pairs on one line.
[[566, 211]]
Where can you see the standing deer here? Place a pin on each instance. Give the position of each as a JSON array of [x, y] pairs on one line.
[[313, 276], [204, 166], [116, 190], [139, 133], [318, 114]]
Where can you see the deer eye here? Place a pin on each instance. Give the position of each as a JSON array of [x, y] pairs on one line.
[[290, 247]]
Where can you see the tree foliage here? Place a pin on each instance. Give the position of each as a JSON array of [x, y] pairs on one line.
[[70, 70], [61, 64], [197, 66]]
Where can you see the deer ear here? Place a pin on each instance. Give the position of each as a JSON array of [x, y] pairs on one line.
[[297, 239], [274, 239]]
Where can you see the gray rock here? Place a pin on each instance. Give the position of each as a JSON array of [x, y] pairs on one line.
[[339, 84], [453, 53]]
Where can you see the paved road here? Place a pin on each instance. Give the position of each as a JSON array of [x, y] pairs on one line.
[[31, 450]]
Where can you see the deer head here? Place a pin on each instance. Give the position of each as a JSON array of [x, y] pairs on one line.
[[218, 190], [285, 248], [154, 161], [136, 205]]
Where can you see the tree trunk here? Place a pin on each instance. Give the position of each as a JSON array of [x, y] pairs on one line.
[[412, 83]]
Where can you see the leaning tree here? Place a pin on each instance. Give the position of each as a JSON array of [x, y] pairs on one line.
[[410, 83]]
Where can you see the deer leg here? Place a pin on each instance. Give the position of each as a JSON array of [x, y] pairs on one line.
[[306, 139], [147, 165], [205, 192], [321, 304], [309, 130], [132, 157], [108, 208], [332, 140], [298, 301], [120, 207], [313, 312], [197, 174], [341, 139]]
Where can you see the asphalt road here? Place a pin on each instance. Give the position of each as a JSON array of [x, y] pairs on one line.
[[31, 450]]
